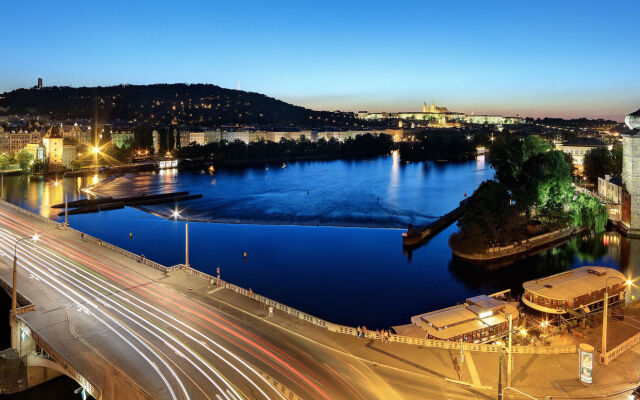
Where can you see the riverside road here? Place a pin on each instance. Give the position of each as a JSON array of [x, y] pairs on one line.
[[136, 332]]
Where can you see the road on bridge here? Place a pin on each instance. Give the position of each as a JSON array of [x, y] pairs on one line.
[[134, 336]]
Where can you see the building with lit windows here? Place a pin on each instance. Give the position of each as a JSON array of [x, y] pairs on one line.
[[480, 319], [580, 146], [53, 143], [579, 289]]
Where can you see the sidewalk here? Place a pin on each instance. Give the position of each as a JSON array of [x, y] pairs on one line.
[[539, 375]]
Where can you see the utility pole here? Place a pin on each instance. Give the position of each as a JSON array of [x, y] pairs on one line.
[[509, 361], [66, 211], [604, 324], [500, 375]]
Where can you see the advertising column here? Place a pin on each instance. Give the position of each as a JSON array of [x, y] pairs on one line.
[[585, 361]]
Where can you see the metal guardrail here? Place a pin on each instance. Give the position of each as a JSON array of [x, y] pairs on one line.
[[347, 330], [92, 389]]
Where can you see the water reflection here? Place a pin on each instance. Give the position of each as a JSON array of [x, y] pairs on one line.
[[369, 280], [608, 249], [40, 193]]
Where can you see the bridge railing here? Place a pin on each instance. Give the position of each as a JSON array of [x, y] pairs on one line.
[[349, 330], [337, 328], [92, 389]]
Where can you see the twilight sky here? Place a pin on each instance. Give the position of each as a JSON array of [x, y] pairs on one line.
[[545, 58]]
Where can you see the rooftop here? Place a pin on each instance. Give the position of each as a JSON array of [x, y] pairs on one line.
[[584, 141], [574, 283]]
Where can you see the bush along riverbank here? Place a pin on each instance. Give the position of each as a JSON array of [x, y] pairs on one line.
[[532, 194]]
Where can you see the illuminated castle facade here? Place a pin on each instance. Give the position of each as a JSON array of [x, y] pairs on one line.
[[438, 116]]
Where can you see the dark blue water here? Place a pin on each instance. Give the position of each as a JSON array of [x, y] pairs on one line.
[[350, 275], [380, 192]]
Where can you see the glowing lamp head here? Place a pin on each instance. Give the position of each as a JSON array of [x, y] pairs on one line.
[[96, 150], [175, 214], [629, 282], [523, 332], [36, 237], [55, 183]]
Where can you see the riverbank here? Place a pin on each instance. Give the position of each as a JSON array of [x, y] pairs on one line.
[[520, 249]]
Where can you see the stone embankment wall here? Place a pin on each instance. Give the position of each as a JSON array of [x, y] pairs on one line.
[[519, 247]]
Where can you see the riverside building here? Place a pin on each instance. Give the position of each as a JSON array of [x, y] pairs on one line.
[[579, 289], [480, 319]]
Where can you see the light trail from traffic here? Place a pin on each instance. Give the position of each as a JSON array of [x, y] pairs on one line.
[[105, 299], [87, 264]]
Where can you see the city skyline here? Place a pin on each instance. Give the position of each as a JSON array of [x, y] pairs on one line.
[[571, 60]]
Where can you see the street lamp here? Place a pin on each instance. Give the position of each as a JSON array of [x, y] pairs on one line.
[[15, 270], [175, 215], [603, 353]]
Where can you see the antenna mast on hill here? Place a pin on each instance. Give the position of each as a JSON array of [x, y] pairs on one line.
[[238, 85]]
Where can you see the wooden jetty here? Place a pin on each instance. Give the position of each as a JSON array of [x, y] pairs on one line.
[[109, 203], [415, 237]]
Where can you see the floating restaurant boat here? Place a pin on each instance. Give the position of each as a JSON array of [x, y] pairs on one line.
[[580, 289], [479, 319]]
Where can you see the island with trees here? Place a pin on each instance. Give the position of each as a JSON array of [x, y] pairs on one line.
[[530, 203]]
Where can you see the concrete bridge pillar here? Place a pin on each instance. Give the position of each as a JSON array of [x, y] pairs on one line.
[[28, 369]]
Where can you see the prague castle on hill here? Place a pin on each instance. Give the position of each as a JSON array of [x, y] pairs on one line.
[[438, 116]]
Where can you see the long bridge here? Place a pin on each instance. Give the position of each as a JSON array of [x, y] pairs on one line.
[[128, 328]]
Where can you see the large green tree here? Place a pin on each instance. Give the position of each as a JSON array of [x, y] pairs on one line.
[[544, 186], [599, 162], [509, 155], [489, 219]]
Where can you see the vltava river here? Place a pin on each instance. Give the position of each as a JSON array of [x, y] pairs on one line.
[[334, 251]]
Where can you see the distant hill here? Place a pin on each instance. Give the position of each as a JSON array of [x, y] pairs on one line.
[[203, 104]]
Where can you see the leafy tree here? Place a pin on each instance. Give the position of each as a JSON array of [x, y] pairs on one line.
[[588, 213], [599, 162], [544, 185], [4, 161], [616, 169], [489, 219], [509, 155], [24, 158]]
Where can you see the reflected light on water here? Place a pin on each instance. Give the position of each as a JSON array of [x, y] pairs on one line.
[[394, 178], [480, 162]]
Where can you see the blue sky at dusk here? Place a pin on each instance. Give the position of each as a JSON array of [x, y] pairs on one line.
[[553, 58]]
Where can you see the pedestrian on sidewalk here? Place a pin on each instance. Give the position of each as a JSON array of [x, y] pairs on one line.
[[359, 331], [270, 311], [364, 331]]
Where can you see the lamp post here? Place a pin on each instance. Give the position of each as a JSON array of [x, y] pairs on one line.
[[603, 353], [15, 271], [176, 214]]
